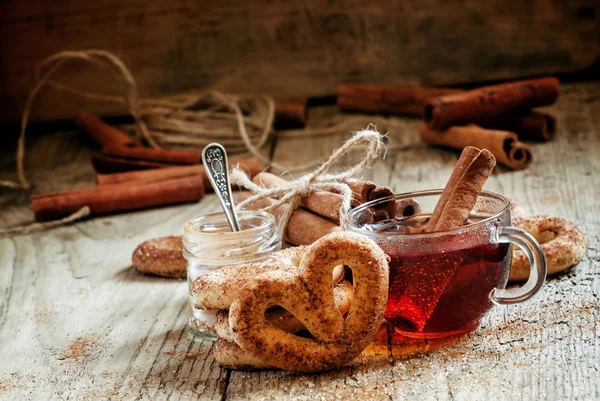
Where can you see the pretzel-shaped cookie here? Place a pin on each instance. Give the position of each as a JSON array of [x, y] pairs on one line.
[[562, 242], [218, 289], [230, 356], [309, 296], [283, 319]]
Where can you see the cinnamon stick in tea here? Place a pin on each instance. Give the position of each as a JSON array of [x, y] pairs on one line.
[[170, 156], [251, 167], [535, 126], [387, 99], [504, 145], [464, 161], [111, 198], [455, 204], [490, 102], [465, 191], [290, 113], [303, 228], [100, 132]]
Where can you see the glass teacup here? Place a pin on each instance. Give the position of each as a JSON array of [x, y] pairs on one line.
[[443, 283]]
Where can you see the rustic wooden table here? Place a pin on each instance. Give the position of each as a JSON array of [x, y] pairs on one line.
[[77, 322]]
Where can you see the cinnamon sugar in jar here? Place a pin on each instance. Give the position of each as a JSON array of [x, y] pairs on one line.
[[209, 244]]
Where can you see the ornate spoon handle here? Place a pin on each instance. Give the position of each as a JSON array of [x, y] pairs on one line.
[[214, 158]]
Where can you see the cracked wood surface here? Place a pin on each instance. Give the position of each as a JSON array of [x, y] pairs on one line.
[[76, 322]]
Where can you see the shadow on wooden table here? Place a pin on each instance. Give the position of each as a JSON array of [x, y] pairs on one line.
[[404, 347], [131, 274]]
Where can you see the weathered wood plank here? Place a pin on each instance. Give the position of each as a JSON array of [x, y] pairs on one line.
[[290, 48], [75, 318], [76, 322]]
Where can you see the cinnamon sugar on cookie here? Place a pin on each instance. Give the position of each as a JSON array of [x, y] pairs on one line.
[[161, 256]]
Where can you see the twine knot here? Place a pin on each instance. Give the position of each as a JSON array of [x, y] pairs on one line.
[[292, 192]]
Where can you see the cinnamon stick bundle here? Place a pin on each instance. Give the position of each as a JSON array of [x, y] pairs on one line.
[[111, 198], [366, 191], [490, 102], [456, 202], [535, 126], [170, 156], [324, 203], [251, 167], [387, 99], [303, 228], [504, 145], [100, 132], [290, 113]]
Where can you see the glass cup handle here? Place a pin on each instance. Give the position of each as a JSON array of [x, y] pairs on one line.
[[537, 263]]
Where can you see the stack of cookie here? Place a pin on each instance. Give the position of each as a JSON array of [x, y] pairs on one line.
[[294, 309], [218, 289]]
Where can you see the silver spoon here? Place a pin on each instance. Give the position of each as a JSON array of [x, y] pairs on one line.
[[214, 158]]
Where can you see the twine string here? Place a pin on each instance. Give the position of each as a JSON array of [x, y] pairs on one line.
[[242, 123], [20, 230], [291, 192]]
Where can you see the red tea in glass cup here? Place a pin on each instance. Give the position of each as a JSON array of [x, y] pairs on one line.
[[443, 283]]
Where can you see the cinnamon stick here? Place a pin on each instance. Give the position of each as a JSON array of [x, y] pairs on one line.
[[171, 156], [251, 166], [303, 228], [363, 190], [366, 191], [490, 102], [455, 203], [465, 191], [106, 199], [100, 132], [535, 126], [407, 208], [464, 161], [387, 99], [108, 164], [290, 113], [504, 145]]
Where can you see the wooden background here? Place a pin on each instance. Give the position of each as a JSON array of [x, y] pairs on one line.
[[77, 322], [290, 47]]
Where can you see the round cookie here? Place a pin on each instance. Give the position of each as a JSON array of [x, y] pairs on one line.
[[516, 210], [562, 242], [161, 256]]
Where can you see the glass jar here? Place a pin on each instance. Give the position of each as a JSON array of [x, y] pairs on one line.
[[209, 244]]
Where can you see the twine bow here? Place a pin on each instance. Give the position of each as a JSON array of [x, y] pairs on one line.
[[292, 192]]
